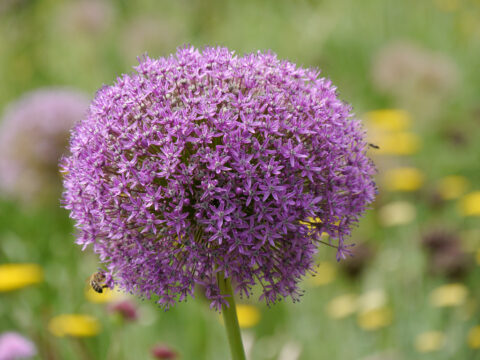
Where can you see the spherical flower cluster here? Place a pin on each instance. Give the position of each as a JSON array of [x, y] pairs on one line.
[[33, 135], [206, 164]]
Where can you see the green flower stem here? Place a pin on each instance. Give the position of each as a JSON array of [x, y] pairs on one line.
[[230, 319]]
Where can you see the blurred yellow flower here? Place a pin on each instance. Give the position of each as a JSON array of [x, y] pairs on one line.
[[375, 318], [326, 272], [387, 130], [105, 297], [449, 295], [473, 339], [477, 257], [401, 143], [452, 187], [388, 119], [403, 179], [470, 204], [397, 213], [76, 325], [372, 299], [342, 306], [429, 341], [248, 315], [17, 276]]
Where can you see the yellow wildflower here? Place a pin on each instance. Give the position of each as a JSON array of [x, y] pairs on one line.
[[452, 187], [397, 213], [375, 318], [17, 276], [248, 315], [325, 274], [474, 337], [429, 341], [449, 295], [387, 130], [477, 257], [388, 119], [401, 143], [470, 204], [105, 297], [76, 325], [342, 306], [403, 179]]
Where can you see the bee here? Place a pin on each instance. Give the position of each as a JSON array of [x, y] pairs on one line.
[[374, 146], [97, 281]]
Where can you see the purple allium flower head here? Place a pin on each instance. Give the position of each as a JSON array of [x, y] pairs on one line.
[[15, 346], [207, 163], [33, 135]]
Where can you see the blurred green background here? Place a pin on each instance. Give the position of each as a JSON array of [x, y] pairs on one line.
[[411, 71]]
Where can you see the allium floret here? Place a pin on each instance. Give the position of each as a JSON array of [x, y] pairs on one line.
[[207, 164]]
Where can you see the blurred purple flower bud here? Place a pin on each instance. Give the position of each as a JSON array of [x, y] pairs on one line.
[[164, 352], [33, 135], [125, 308], [15, 346]]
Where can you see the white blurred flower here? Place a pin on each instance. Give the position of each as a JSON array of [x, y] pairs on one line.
[[397, 213], [290, 351]]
